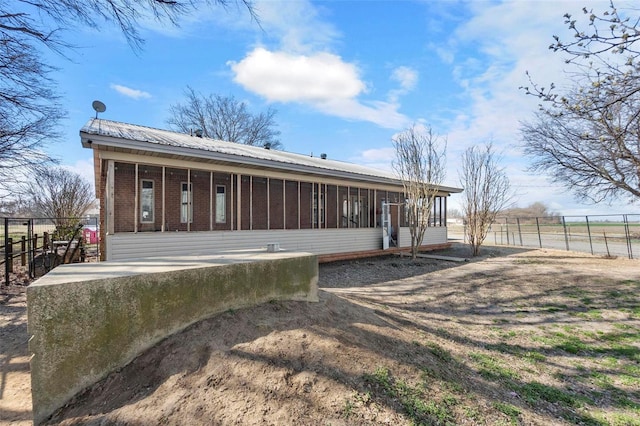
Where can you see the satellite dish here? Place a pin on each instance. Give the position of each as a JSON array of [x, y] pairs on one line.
[[98, 107]]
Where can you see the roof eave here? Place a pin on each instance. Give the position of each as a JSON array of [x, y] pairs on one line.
[[89, 140]]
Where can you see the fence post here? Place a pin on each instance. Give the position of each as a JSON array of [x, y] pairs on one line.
[[589, 232], [6, 251], [566, 238], [627, 234], [506, 221], [538, 227], [519, 231], [32, 256], [23, 251], [9, 251]]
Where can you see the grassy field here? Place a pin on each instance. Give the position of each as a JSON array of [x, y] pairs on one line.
[[571, 353]]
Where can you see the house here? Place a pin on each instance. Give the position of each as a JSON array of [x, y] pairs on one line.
[[164, 193]]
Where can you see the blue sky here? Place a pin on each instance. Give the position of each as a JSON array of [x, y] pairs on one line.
[[344, 76]]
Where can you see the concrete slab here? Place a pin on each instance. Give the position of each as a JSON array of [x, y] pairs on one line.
[[447, 258], [111, 269], [438, 257]]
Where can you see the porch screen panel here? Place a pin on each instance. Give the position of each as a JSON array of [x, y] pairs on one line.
[[259, 202], [201, 203], [291, 206], [343, 208], [246, 203], [355, 208], [331, 210], [306, 206], [174, 178], [276, 216], [124, 194]]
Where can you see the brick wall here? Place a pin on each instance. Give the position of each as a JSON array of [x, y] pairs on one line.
[[262, 215]]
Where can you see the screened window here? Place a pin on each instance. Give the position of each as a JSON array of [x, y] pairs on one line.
[[146, 201], [186, 206], [221, 204]]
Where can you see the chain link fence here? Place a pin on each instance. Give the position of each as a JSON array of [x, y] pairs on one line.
[[608, 235]]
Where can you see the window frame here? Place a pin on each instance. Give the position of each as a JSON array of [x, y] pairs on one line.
[[144, 190], [188, 204], [223, 210]]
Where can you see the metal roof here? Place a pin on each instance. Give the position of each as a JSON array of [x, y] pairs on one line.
[[135, 137]]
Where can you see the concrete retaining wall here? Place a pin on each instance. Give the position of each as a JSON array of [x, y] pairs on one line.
[[87, 320]]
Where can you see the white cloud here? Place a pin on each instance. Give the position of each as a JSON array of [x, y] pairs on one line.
[[406, 76], [377, 158], [445, 54], [130, 93], [378, 154], [284, 77], [492, 51], [297, 25], [320, 80], [302, 66]]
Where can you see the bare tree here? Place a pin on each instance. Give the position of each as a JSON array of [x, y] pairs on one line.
[[586, 137], [225, 119], [59, 193], [420, 164], [612, 31], [30, 109], [536, 209], [487, 191]]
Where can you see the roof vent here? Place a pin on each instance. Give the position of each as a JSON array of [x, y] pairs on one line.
[[267, 145], [323, 156]]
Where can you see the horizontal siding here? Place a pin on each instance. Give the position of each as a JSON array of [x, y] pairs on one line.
[[123, 246], [433, 235]]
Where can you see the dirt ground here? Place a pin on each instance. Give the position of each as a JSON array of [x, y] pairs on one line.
[[392, 341]]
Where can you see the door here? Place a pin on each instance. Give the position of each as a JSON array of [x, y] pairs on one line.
[[386, 225]]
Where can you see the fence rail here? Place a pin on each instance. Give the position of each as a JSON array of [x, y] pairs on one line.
[[34, 246], [609, 235]]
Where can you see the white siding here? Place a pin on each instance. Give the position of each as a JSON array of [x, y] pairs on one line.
[[433, 235], [318, 241], [123, 246]]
